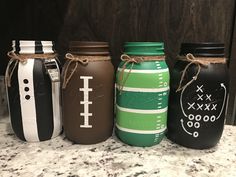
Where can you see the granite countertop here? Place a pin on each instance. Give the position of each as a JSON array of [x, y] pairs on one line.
[[60, 157]]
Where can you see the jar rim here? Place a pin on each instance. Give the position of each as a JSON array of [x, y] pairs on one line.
[[204, 49], [144, 48], [33, 46], [92, 48]]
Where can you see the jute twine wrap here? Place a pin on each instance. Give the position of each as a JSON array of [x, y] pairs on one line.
[[84, 60], [199, 62], [22, 58], [133, 60]]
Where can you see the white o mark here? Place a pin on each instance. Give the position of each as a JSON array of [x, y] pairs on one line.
[[191, 116], [213, 118], [195, 134], [196, 124], [190, 123], [206, 118], [198, 117]]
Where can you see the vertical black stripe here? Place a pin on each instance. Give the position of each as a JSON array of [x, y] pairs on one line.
[[15, 106], [53, 46], [38, 47], [43, 101], [17, 46]]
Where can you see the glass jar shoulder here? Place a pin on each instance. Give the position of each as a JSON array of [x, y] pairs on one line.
[[211, 74], [210, 69], [145, 65]]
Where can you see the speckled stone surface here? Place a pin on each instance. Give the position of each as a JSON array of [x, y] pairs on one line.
[[59, 157]]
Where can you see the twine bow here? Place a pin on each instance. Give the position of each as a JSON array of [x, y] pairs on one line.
[[196, 61], [71, 59], [84, 60], [9, 71], [133, 60], [22, 58], [127, 59]]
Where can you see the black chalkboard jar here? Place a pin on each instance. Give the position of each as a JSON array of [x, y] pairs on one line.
[[198, 95]]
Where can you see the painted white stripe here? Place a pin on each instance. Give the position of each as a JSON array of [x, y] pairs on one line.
[[144, 71], [27, 49], [47, 46], [131, 89], [142, 111], [141, 131], [57, 125], [14, 46], [28, 110]]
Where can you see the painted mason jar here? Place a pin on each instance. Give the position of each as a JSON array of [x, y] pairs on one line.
[[33, 88], [198, 95], [88, 92], [142, 83]]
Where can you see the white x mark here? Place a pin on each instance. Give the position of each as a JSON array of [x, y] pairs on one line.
[[199, 88], [213, 106], [207, 107], [199, 106], [208, 97], [191, 106], [199, 97]]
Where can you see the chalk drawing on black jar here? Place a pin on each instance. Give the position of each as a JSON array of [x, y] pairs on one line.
[[206, 103]]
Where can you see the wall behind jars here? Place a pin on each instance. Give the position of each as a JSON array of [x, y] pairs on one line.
[[118, 21]]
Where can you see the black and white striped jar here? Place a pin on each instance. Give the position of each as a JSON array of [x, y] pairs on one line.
[[34, 92]]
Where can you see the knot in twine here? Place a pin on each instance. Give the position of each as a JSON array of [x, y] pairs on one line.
[[133, 60], [22, 58], [84, 60], [199, 62], [126, 58]]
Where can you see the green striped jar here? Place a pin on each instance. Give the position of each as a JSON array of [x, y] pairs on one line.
[[142, 91]]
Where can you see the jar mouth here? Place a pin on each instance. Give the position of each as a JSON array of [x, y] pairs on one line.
[[33, 47], [88, 44], [205, 49], [145, 44], [89, 48], [144, 48]]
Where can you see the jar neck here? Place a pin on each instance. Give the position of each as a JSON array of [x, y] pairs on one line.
[[203, 49], [33, 47], [144, 48], [88, 53], [145, 56], [89, 48]]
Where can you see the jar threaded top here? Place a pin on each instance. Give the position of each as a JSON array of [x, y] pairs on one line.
[[89, 48], [205, 49], [33, 47], [144, 48]]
